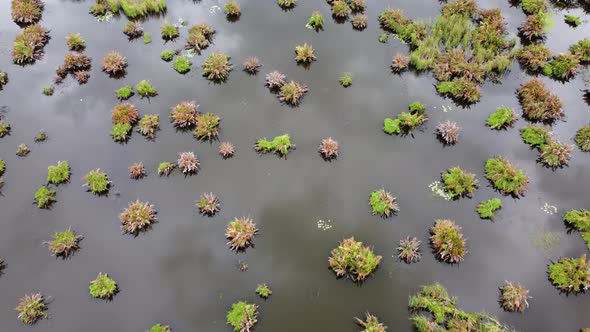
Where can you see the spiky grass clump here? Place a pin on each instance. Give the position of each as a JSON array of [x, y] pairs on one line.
[[329, 148], [114, 63], [563, 67], [357, 5], [409, 250], [535, 136], [582, 138], [501, 118], [232, 9], [148, 125], [182, 65], [125, 92], [287, 4], [462, 90], [59, 173], [99, 8], [240, 233], [31, 308], [208, 204], [304, 53], [125, 113], [97, 181], [292, 93], [120, 132], [316, 20], [487, 208], [75, 42], [137, 217], [448, 131], [533, 6], [555, 154], [359, 21], [64, 243], [169, 31], [340, 9], [3, 79], [534, 56], [459, 183], [279, 145], [26, 11], [45, 197], [134, 8], [167, 55], [41, 136], [383, 203], [275, 80], [579, 220], [160, 328], [29, 43], [145, 89], [538, 104], [166, 168], [188, 162], [217, 66], [505, 177], [251, 65], [406, 122], [345, 80], [370, 324], [581, 49], [263, 291], [2, 167], [354, 260], [226, 150], [572, 20], [4, 128], [103, 287], [514, 297], [570, 275], [22, 150], [243, 316], [48, 91], [133, 29], [137, 171], [535, 26], [399, 63], [447, 241], [184, 115], [207, 126], [199, 37]]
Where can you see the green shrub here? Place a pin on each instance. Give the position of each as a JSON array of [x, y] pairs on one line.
[[487, 208], [346, 80], [572, 20], [64, 243], [120, 132], [58, 174], [97, 181], [145, 89], [354, 260], [263, 291], [570, 275], [45, 197], [501, 118], [103, 287], [447, 241], [316, 20], [459, 183], [580, 221], [535, 136], [217, 66], [31, 308], [125, 92], [242, 316], [279, 145], [505, 177], [583, 138], [581, 49], [167, 55], [182, 65], [169, 31], [383, 203]]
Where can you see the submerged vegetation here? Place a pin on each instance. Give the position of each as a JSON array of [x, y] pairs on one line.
[[487, 208], [383, 203], [570, 275], [243, 316], [447, 241], [505, 177], [280, 145], [31, 308], [103, 287], [353, 260], [240, 233]]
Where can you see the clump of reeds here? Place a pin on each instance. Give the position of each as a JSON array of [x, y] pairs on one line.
[[137, 217], [64, 243], [291, 93], [184, 115], [137, 171], [217, 66], [329, 148], [114, 63], [226, 150], [538, 104], [275, 80], [26, 11], [31, 308], [208, 204], [207, 126], [103, 287], [240, 233], [188, 162], [447, 241], [354, 260], [29, 43], [409, 250], [251, 65], [514, 297]]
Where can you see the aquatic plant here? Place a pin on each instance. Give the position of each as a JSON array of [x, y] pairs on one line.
[[182, 65], [31, 308], [26, 11], [329, 148], [137, 8], [103, 287], [82, 76], [99, 8], [199, 37], [555, 154], [137, 216], [22, 150], [133, 29], [354, 260], [581, 49], [359, 21], [263, 291], [357, 5], [538, 104], [114, 63], [240, 233], [64, 243], [535, 136], [582, 138], [45, 197], [383, 203], [340, 9], [459, 183], [279, 145], [406, 122], [120, 132], [160, 328], [409, 250], [145, 89], [275, 80], [579, 220], [3, 79], [345, 80], [169, 31], [137, 171], [399, 63], [232, 8], [41, 136], [148, 125], [502, 118], [292, 93], [304, 53], [243, 316], [447, 241], [75, 61], [383, 38], [448, 131], [570, 275], [75, 42], [534, 56], [4, 128], [188, 162], [226, 150], [48, 91], [461, 89], [147, 38], [514, 297], [124, 113], [251, 65], [207, 126], [2, 167], [287, 4], [217, 66], [29, 43], [167, 55], [535, 25], [371, 323], [486, 209], [125, 92], [208, 204], [59, 173], [505, 177], [97, 181], [533, 6], [316, 20], [572, 20], [562, 67], [166, 168]]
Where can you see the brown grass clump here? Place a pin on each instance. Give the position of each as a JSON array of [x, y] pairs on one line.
[[188, 162], [26, 11], [447, 241], [409, 250], [125, 113], [240, 232], [199, 36], [555, 154], [275, 80], [448, 131], [208, 204], [292, 93], [514, 297], [534, 56], [226, 150], [184, 115], [133, 29], [29, 44], [74, 61], [137, 217], [533, 27], [82, 76], [251, 65], [137, 171], [538, 104], [399, 63], [328, 148], [359, 21], [114, 63]]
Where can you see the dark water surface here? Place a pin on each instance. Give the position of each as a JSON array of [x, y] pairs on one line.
[[182, 273]]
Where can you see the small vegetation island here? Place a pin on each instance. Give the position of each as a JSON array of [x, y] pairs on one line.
[[405, 123], [31, 308], [570, 275], [383, 203], [370, 324], [447, 241], [103, 287], [242, 316], [240, 233], [353, 260]]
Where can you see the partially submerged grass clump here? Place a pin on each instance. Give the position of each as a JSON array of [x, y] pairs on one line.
[[208, 204], [340, 9], [182, 65], [167, 55], [405, 123], [243, 316], [240, 233], [199, 37], [563, 67], [486, 209], [353, 260], [26, 11], [125, 92], [120, 132], [148, 125], [29, 43], [64, 243], [275, 80], [399, 63], [2, 167], [329, 148], [383, 203], [41, 136], [555, 154], [505, 177], [570, 275], [31, 308], [103, 287], [304, 53], [263, 291], [582, 138], [217, 66], [137, 171], [370, 324], [22, 150], [59, 173], [251, 65], [409, 250], [3, 79], [447, 241], [166, 168], [280, 145], [232, 9], [534, 57], [124, 113], [359, 21], [160, 328], [48, 91], [137, 217], [536, 25], [45, 197], [448, 132], [458, 183], [4, 128], [533, 6], [188, 163], [114, 63], [538, 104], [97, 182], [501, 118], [581, 49], [169, 31], [316, 20], [136, 8], [226, 150], [291, 93], [514, 297], [345, 80], [572, 20], [579, 220], [75, 42], [207, 126], [145, 89], [462, 90], [535, 136], [133, 29]]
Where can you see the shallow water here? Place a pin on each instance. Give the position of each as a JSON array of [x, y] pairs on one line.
[[182, 273]]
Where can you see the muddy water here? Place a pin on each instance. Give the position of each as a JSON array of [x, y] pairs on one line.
[[181, 273]]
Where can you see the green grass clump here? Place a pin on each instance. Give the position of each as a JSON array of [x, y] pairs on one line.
[[354, 260], [533, 6], [160, 328], [28, 45], [501, 118], [316, 21], [581, 49], [147, 38], [232, 9], [97, 181], [166, 168], [137, 8], [462, 90], [570, 275], [167, 55], [583, 138], [487, 208], [2, 167], [572, 20], [125, 92], [64, 243], [169, 31], [580, 221], [535, 136], [59, 173], [287, 4], [534, 56], [263, 291], [48, 91], [505, 177], [242, 316], [370, 324], [145, 89], [103, 287], [207, 127], [75, 42], [31, 308], [459, 183], [120, 132], [22, 150], [4, 128], [199, 37], [181, 65], [279, 145], [45, 197], [383, 38], [563, 67], [148, 125], [447, 241], [346, 80], [304, 53], [383, 203], [217, 66], [291, 93], [340, 9], [555, 154], [406, 122]]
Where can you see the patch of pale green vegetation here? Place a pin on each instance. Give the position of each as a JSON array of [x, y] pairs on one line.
[[579, 220], [316, 21], [59, 173], [22, 150], [353, 260], [167, 55], [501, 118], [160, 328], [145, 89], [546, 241], [242, 316], [383, 203], [280, 145], [459, 183], [406, 122], [125, 92], [131, 8], [45, 197], [486, 209], [263, 291], [346, 80], [535, 136], [103, 287], [506, 177], [182, 65], [570, 275], [217, 66], [147, 38], [97, 181]]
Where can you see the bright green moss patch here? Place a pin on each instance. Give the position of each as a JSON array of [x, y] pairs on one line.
[[563, 67], [383, 203], [533, 6], [169, 31], [120, 132], [64, 243], [579, 220], [280, 145], [354, 260], [31, 308], [583, 138], [2, 167], [136, 8], [145, 89], [570, 275], [505, 177], [181, 65], [535, 136], [103, 287], [125, 92], [461, 90], [346, 80], [263, 291], [581, 49], [45, 197], [167, 55], [487, 208], [572, 20], [459, 183], [59, 173], [316, 21], [147, 38], [166, 168], [501, 118], [242, 316], [406, 122], [160, 328], [97, 181]]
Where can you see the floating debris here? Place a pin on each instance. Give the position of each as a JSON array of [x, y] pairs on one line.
[[437, 191], [324, 225], [549, 209]]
